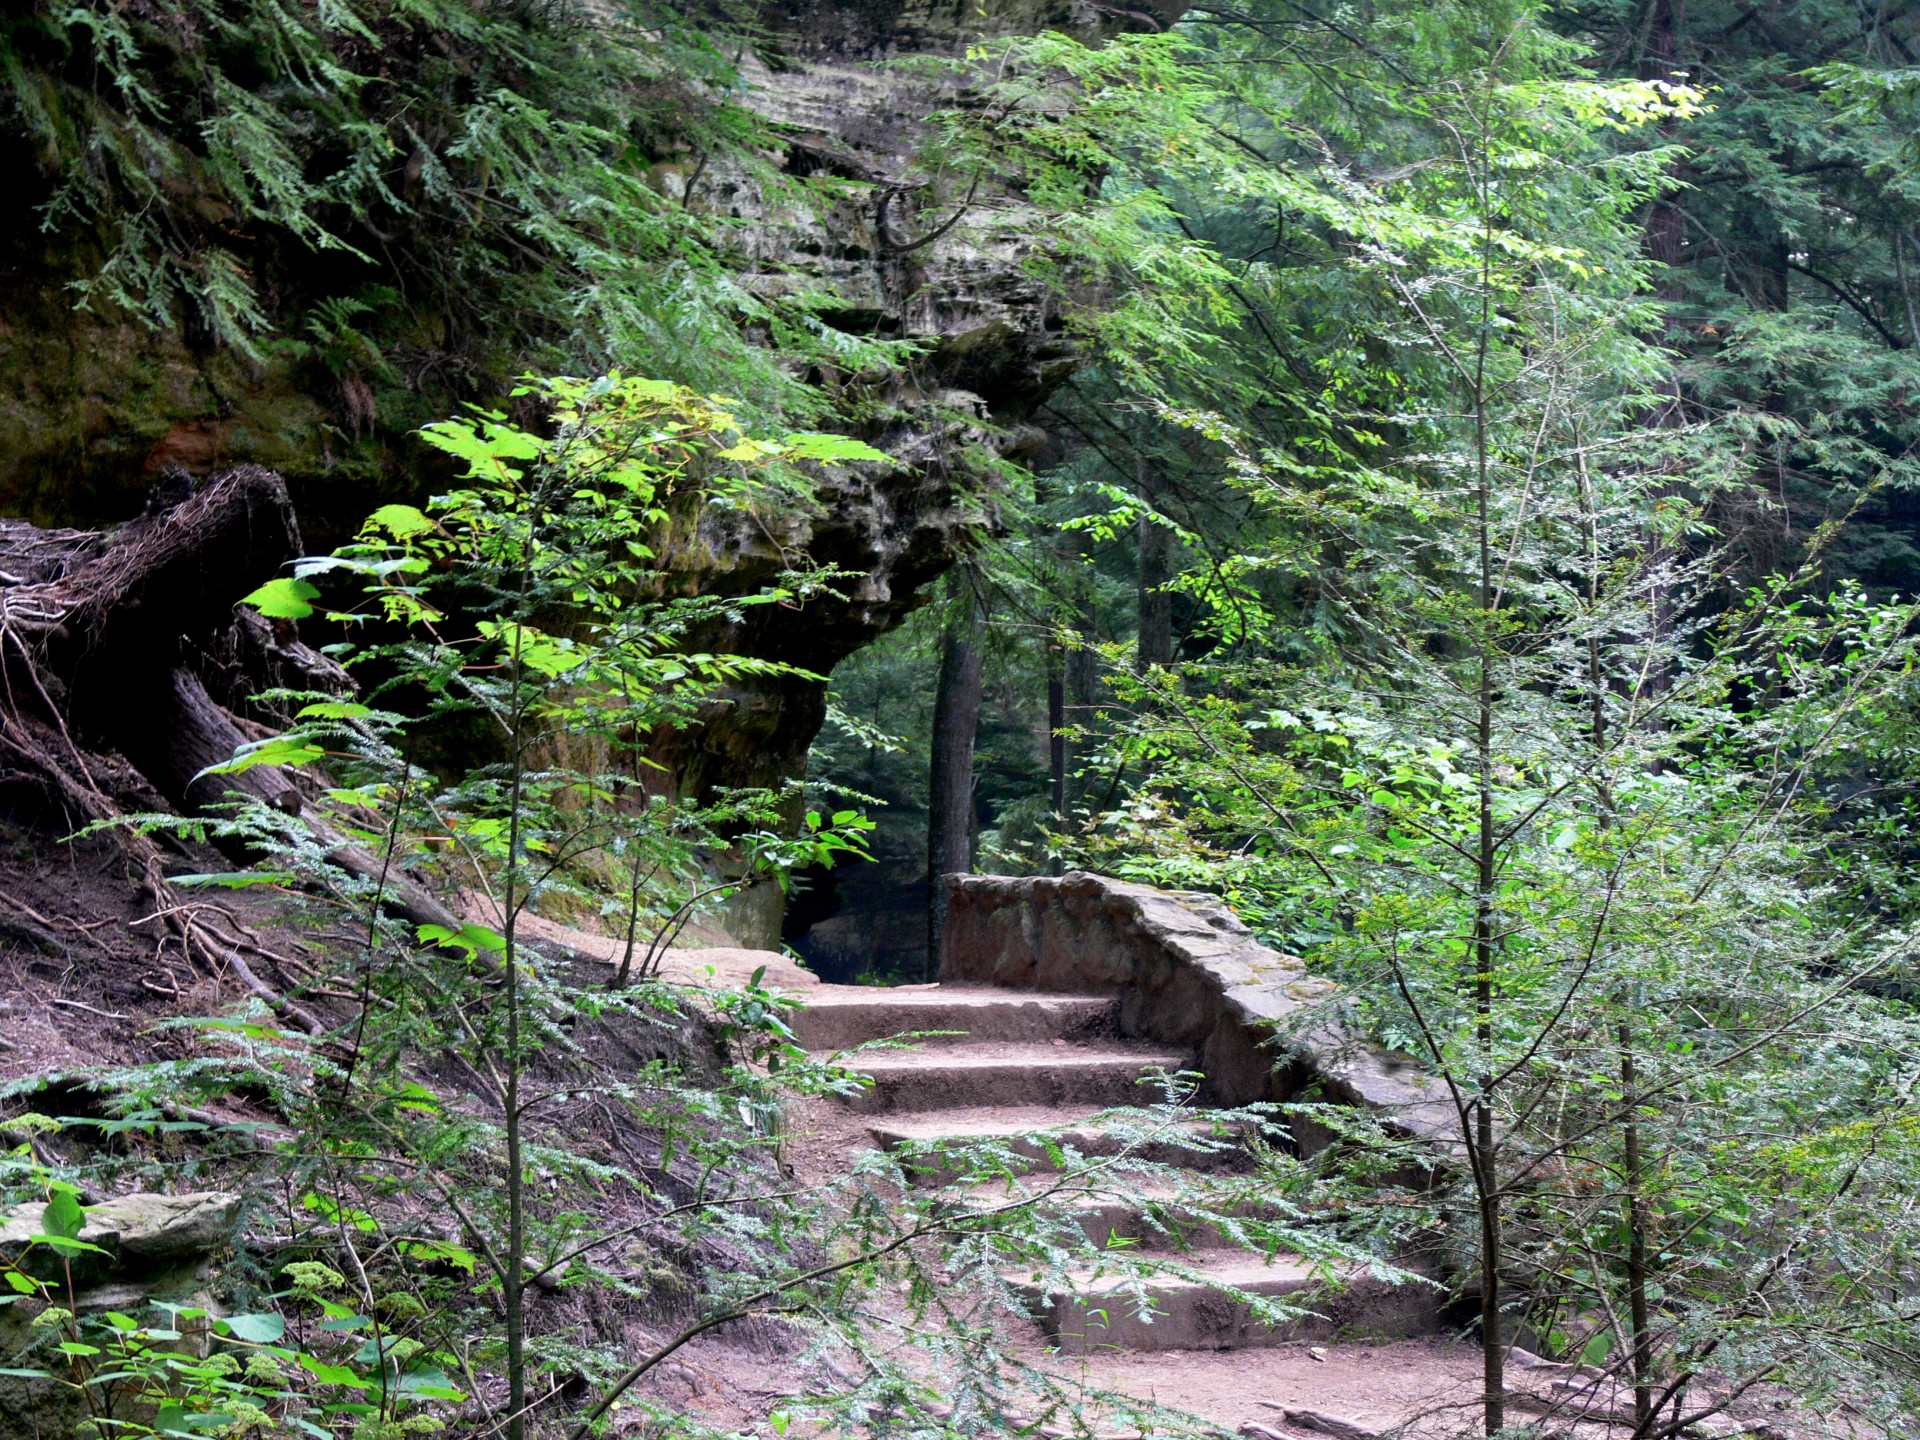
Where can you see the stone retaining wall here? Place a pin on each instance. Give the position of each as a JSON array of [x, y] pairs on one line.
[[1187, 973]]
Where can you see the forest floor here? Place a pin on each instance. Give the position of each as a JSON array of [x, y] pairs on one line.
[[98, 1006], [1422, 1388]]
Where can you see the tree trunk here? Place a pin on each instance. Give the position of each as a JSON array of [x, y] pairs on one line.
[[184, 733], [1155, 642], [1057, 739], [1081, 683], [1666, 230], [956, 721]]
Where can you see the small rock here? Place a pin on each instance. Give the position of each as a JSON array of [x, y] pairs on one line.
[[1314, 1352], [1715, 1427]]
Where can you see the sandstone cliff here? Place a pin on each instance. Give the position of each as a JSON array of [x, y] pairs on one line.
[[102, 410]]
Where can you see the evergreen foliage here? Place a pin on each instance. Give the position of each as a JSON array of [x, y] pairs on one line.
[[1539, 592], [1478, 545], [419, 199]]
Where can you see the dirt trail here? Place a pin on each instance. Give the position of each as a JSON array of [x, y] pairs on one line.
[[1031, 1062], [1007, 1075]]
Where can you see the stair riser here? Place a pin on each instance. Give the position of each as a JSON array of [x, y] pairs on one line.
[[1126, 1222], [1118, 1221], [932, 1087], [1178, 1229], [1194, 1318], [843, 1026]]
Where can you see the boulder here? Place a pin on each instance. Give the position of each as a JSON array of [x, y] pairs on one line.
[[158, 1248], [139, 1233]]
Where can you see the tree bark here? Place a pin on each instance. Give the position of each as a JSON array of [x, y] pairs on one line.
[[185, 732], [1081, 683], [956, 722], [1057, 739], [1155, 636]]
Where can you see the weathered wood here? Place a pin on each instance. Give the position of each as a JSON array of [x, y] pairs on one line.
[[182, 734]]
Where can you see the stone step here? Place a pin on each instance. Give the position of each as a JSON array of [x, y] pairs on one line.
[[838, 1017], [1099, 1312], [1012, 1073], [1035, 1132], [1140, 1212]]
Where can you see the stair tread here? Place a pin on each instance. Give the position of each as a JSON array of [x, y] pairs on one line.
[[993, 1122], [845, 1016], [941, 997], [1039, 1055], [1281, 1274], [1147, 1190]]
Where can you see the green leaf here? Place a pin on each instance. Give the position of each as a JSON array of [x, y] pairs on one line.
[[428, 1385], [830, 449], [334, 710], [402, 522], [63, 1217], [173, 1420], [412, 1096], [251, 1029], [261, 1329], [468, 938], [327, 1374], [283, 599], [440, 1250], [748, 451], [279, 750], [236, 879], [66, 1246]]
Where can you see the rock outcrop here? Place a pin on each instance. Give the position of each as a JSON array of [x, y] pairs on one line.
[[140, 1234], [147, 1248], [108, 409], [941, 262], [1187, 973]]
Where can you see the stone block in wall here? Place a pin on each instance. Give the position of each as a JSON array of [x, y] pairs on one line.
[[1187, 973]]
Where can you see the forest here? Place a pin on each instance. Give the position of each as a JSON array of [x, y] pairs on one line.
[[966, 718]]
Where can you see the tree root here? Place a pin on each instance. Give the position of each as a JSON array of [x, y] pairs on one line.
[[102, 706]]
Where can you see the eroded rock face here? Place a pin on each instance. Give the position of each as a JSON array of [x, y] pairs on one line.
[[105, 408], [1188, 973], [135, 1234], [151, 1249], [939, 261]]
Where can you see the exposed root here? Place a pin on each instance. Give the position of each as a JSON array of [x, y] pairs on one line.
[[102, 637]]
